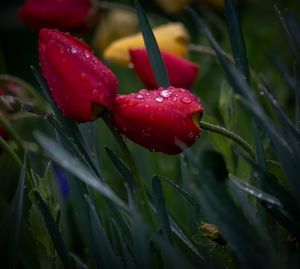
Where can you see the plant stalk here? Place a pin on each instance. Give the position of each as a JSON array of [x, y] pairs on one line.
[[131, 164], [234, 137]]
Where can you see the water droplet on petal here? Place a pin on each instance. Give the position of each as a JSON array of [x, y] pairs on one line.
[[139, 96], [73, 50], [185, 100], [131, 102], [87, 54], [159, 99], [131, 65], [146, 106], [95, 93], [166, 93]]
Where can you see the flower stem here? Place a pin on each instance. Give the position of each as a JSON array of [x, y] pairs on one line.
[[234, 137], [131, 164]]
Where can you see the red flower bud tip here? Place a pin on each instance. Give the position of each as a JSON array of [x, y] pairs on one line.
[[81, 85], [66, 15], [159, 120], [182, 73]]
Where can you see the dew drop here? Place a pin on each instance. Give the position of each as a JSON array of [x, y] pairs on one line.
[[185, 100], [146, 106], [139, 96], [143, 91], [73, 50], [131, 65], [166, 93], [131, 102], [159, 99], [95, 93], [87, 54]]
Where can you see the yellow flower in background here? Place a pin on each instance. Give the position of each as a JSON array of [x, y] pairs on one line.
[[114, 25], [173, 6], [171, 37]]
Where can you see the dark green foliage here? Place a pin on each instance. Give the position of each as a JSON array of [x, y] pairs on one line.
[[249, 207]]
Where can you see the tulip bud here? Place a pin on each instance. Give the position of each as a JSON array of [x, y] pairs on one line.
[[160, 120], [66, 15], [182, 73], [81, 85], [171, 37]]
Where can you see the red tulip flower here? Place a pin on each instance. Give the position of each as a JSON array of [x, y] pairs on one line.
[[81, 85], [160, 120], [66, 15], [182, 73]]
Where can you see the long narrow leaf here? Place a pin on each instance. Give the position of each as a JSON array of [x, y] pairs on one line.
[[157, 63], [287, 33], [63, 158], [53, 231], [101, 243], [237, 40], [259, 194], [161, 208], [17, 209], [124, 171], [294, 26]]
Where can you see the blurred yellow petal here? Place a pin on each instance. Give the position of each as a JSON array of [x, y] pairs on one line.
[[114, 25], [173, 6], [171, 37]]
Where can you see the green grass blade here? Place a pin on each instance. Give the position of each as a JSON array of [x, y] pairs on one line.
[[173, 257], [53, 263], [161, 208], [157, 63], [287, 33], [282, 70], [226, 64], [128, 260], [17, 209], [185, 194], [124, 171], [289, 224], [101, 243], [64, 159], [294, 26], [237, 40], [53, 231], [259, 194]]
